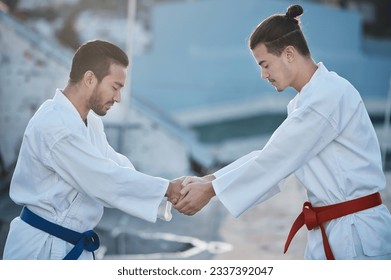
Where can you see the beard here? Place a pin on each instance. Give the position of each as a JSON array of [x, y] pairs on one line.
[[97, 105]]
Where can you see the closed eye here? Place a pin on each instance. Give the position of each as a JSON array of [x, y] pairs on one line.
[[117, 86], [263, 64]]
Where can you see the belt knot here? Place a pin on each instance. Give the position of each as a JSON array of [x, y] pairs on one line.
[[90, 240], [310, 217]]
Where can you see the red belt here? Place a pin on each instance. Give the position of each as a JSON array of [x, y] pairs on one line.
[[316, 216]]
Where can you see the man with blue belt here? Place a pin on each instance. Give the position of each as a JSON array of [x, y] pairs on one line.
[[67, 172]]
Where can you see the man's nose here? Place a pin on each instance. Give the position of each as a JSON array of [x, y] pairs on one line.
[[264, 74], [117, 97]]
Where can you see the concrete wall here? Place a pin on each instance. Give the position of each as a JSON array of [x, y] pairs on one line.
[[30, 72]]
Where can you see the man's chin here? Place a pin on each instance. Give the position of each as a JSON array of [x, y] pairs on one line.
[[278, 89], [100, 113]]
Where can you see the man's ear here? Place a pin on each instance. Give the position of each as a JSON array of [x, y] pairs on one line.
[[89, 79], [290, 53]]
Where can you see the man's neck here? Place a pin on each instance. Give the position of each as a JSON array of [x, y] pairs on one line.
[[307, 70], [76, 97]]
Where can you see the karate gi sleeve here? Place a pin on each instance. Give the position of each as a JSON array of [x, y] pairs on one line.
[[298, 139], [118, 158], [165, 207], [83, 167], [236, 163]]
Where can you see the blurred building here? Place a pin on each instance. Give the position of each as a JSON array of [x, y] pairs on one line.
[[376, 14]]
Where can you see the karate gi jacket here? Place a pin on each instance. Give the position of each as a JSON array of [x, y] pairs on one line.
[[329, 144], [67, 173]]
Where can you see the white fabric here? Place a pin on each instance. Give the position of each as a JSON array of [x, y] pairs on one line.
[[328, 142], [67, 173]]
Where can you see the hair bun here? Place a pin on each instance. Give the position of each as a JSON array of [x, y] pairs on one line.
[[294, 11]]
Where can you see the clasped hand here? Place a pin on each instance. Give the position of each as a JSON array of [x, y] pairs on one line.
[[190, 194]]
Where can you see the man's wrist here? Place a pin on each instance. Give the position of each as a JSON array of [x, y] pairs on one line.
[[209, 177], [210, 189], [169, 187]]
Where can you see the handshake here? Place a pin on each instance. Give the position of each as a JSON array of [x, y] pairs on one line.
[[189, 194]]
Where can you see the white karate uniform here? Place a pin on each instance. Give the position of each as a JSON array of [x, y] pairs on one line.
[[328, 142], [67, 173]]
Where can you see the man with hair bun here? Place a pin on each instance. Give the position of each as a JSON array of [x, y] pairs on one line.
[[327, 142]]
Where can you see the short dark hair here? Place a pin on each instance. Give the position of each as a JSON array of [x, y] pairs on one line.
[[96, 56], [279, 31]]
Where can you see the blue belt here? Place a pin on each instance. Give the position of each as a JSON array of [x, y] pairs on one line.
[[88, 240]]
